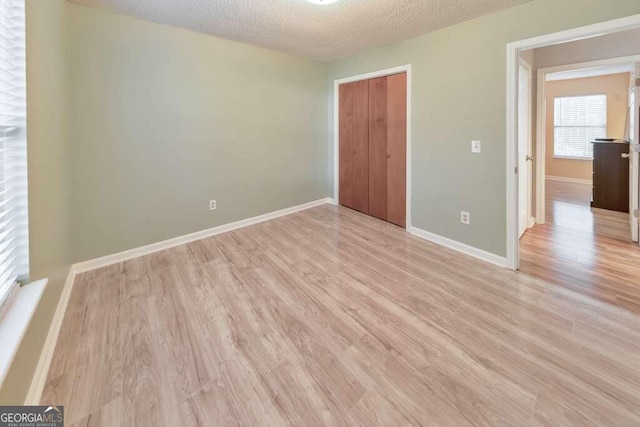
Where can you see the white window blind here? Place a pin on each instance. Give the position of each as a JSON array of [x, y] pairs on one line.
[[14, 258], [578, 121]]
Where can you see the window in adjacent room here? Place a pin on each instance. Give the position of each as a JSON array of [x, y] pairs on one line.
[[14, 257], [578, 120]]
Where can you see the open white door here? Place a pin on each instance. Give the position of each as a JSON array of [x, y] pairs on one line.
[[524, 147], [634, 148]]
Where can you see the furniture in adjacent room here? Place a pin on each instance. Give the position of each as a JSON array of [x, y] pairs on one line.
[[372, 147], [611, 175]]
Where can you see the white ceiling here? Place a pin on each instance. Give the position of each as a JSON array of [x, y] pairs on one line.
[[322, 32]]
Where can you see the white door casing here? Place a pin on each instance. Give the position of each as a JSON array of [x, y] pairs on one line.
[[634, 161], [524, 147], [513, 49]]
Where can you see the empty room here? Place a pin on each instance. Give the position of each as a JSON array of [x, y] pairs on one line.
[[319, 212]]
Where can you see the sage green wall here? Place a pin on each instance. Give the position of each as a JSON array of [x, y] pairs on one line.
[[164, 119], [458, 95], [49, 178], [160, 120]]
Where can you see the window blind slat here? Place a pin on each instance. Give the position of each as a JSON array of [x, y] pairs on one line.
[[7, 276], [14, 262], [578, 120], [7, 247]]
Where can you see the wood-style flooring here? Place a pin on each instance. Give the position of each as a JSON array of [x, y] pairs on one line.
[[331, 317], [584, 249]]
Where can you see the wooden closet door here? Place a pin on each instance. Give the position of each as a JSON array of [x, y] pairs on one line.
[[378, 148], [397, 149], [354, 146], [388, 148]]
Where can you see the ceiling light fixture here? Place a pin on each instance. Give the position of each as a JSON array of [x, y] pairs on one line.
[[323, 2]]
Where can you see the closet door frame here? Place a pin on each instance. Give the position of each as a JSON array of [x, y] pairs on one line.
[[336, 130]]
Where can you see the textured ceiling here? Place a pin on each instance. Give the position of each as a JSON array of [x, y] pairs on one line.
[[325, 33]]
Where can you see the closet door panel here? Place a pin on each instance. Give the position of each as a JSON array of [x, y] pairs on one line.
[[345, 138], [378, 148], [354, 147], [397, 149]]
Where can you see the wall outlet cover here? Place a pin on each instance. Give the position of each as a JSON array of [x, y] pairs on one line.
[[465, 218], [212, 205]]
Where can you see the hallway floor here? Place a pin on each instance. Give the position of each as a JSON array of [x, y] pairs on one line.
[[584, 249]]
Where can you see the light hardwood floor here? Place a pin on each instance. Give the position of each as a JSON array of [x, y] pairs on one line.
[[331, 317], [584, 249]]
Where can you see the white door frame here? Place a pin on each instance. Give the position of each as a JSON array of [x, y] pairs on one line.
[[513, 49], [634, 160], [541, 120], [528, 67], [336, 130]]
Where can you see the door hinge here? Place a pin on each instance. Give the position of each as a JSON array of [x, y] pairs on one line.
[[516, 169], [635, 148], [635, 213], [637, 82]]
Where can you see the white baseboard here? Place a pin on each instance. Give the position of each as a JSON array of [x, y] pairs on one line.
[[181, 240], [40, 376], [567, 179], [42, 370], [532, 222], [460, 247]]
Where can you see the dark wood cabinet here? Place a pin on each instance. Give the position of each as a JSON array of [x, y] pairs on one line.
[[611, 176]]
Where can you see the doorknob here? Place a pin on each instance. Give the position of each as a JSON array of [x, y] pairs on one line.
[[625, 155], [529, 158]]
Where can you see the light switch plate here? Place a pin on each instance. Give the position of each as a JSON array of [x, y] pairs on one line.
[[476, 146]]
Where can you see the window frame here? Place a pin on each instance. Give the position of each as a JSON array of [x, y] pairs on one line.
[[606, 123]]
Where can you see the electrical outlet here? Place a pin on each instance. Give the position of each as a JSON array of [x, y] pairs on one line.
[[465, 218], [476, 146], [212, 205]]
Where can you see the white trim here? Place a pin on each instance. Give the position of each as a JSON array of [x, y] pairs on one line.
[[590, 64], [42, 370], [40, 376], [590, 72], [532, 222], [634, 160], [15, 322], [176, 241], [568, 179], [524, 64], [336, 129], [512, 157], [541, 149], [513, 48], [600, 29], [459, 247]]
